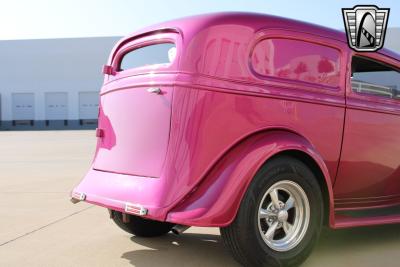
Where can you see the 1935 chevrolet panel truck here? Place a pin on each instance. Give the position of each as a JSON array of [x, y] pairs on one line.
[[263, 126]]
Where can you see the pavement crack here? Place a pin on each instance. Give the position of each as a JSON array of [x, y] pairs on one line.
[[44, 226]]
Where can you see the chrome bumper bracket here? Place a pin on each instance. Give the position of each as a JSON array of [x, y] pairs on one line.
[[135, 209], [77, 197]]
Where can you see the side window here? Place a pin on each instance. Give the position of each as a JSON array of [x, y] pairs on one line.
[[148, 55], [374, 78], [297, 60]]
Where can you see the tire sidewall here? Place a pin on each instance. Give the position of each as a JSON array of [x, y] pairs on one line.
[[280, 169]]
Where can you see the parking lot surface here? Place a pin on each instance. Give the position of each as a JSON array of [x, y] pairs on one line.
[[39, 226]]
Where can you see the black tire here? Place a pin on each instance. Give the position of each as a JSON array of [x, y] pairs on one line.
[[142, 227], [243, 237]]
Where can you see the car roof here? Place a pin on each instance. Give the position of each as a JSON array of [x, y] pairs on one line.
[[257, 21]]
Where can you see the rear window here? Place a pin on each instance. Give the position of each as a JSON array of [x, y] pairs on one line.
[[297, 60], [155, 54]]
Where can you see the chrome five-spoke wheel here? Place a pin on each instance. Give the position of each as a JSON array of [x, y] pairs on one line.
[[283, 215]]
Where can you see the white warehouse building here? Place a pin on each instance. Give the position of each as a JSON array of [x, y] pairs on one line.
[[54, 83], [51, 83]]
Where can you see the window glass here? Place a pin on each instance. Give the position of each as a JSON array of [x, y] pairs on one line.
[[374, 78], [149, 55], [297, 60]]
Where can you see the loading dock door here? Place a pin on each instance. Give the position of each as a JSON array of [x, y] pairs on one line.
[[56, 106], [23, 107], [88, 105]]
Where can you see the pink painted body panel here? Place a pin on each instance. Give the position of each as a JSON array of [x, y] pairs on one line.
[[369, 172], [129, 116], [188, 154], [216, 198]]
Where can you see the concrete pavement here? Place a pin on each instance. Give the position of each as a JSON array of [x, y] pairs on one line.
[[40, 227]]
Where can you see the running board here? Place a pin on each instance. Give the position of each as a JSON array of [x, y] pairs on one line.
[[370, 217]]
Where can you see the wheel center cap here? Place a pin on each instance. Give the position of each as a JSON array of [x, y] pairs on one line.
[[282, 216]]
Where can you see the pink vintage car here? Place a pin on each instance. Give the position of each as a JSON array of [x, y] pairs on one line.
[[266, 127]]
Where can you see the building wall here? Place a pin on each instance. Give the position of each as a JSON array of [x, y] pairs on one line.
[[67, 66], [392, 40]]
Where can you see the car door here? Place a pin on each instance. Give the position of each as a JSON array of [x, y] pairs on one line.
[[369, 172]]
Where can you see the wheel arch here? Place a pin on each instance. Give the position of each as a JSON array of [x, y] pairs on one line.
[[216, 200]]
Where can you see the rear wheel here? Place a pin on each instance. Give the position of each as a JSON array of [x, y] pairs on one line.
[[280, 217], [142, 227]]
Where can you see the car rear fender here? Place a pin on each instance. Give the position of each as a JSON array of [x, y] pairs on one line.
[[216, 200]]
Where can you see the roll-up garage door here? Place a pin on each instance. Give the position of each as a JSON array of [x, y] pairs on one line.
[[88, 105], [23, 107], [56, 106]]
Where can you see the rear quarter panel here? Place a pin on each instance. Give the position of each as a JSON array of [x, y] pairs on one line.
[[220, 101], [208, 124]]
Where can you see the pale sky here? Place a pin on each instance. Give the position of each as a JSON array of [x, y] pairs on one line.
[[36, 19]]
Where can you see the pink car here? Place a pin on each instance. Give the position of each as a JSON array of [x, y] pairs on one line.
[[266, 127]]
